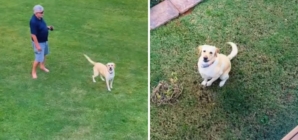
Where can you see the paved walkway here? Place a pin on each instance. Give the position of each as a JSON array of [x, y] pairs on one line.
[[168, 10]]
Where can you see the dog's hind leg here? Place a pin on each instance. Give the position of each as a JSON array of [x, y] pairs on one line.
[[223, 78], [95, 74], [102, 78]]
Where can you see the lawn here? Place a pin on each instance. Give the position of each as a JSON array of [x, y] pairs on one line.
[[65, 103], [259, 101]]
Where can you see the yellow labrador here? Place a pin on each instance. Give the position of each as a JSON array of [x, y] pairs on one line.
[[106, 72], [213, 65]]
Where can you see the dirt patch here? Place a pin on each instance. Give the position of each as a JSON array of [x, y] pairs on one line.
[[187, 12], [166, 92]]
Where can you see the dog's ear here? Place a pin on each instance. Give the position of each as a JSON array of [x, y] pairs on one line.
[[216, 52], [114, 65], [200, 49]]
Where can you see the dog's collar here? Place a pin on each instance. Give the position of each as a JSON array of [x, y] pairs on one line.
[[111, 72], [206, 66]]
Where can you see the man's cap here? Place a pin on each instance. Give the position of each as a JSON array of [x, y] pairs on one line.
[[37, 8]]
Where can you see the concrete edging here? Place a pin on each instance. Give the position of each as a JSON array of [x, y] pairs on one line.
[[168, 10]]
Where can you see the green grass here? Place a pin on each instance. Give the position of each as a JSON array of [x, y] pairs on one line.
[[155, 2], [65, 103], [259, 101]]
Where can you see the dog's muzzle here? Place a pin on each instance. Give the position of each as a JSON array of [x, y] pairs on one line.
[[111, 70]]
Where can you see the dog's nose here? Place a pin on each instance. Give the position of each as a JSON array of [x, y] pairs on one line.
[[205, 59]]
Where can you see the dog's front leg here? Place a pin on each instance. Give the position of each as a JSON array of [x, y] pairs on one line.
[[108, 86], [111, 84], [204, 82], [212, 80], [205, 79]]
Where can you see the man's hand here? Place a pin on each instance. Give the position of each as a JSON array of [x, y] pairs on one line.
[[38, 48], [51, 28], [35, 42]]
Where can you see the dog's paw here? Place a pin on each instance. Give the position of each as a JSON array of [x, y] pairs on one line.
[[204, 83], [209, 83], [222, 83]]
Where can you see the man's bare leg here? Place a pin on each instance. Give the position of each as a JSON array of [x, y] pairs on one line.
[[42, 65], [34, 75]]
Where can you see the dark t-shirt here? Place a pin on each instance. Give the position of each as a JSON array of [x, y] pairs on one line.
[[39, 28]]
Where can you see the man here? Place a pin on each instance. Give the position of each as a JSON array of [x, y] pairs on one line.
[[39, 36]]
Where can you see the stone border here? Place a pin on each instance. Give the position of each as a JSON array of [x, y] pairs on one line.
[[168, 10], [292, 135]]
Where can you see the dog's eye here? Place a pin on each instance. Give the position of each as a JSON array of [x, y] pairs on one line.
[[211, 53], [204, 50]]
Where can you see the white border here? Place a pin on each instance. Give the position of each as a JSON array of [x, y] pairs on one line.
[[148, 69]]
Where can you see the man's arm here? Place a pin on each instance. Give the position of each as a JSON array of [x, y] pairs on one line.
[[35, 42], [33, 35]]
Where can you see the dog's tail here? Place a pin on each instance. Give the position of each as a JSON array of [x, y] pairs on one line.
[[234, 50], [92, 62]]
